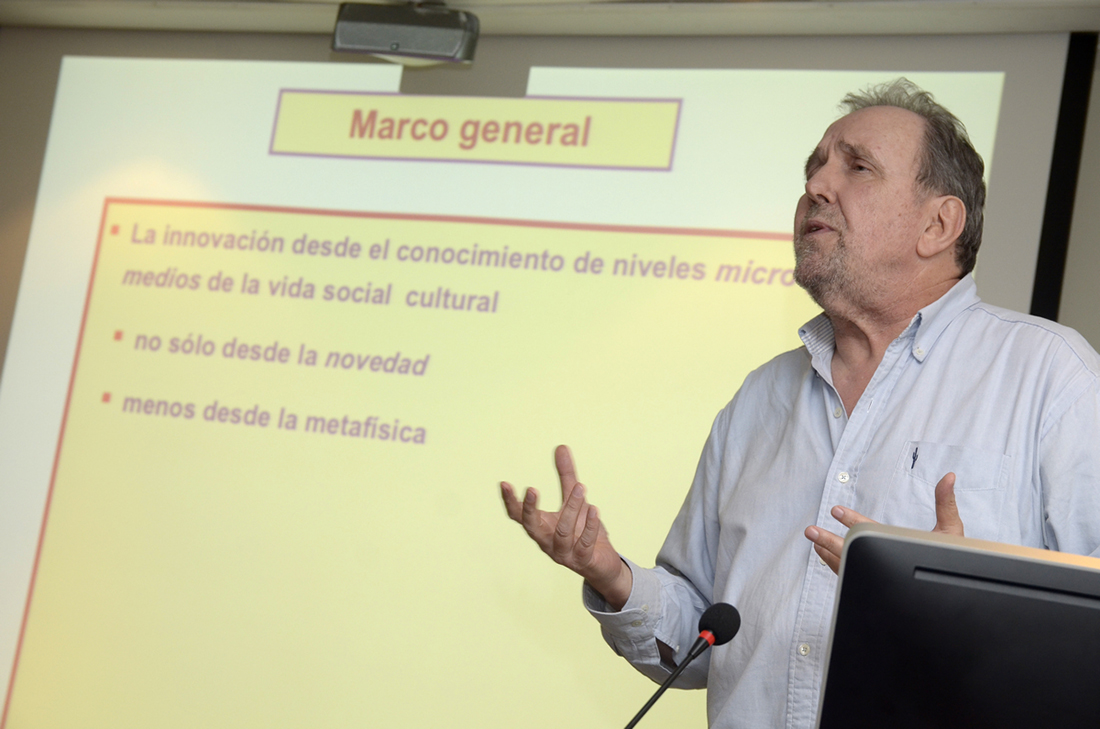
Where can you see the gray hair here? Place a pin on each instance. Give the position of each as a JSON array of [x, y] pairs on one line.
[[949, 163]]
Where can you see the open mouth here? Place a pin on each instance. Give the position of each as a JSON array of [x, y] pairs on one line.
[[814, 226]]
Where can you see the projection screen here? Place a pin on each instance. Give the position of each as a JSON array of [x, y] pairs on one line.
[[283, 328]]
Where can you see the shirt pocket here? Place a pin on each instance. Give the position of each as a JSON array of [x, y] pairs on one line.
[[975, 470], [981, 480]]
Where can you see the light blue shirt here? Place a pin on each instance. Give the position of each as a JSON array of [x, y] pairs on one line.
[[1009, 402]]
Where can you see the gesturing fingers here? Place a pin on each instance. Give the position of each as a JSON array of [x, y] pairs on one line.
[[531, 518], [574, 536], [848, 517], [511, 504], [568, 536], [567, 472], [566, 530], [586, 542], [827, 545], [948, 520]]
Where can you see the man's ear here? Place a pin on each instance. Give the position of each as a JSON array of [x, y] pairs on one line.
[[946, 218]]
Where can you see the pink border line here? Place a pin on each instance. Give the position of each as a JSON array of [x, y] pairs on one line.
[[108, 202], [626, 168]]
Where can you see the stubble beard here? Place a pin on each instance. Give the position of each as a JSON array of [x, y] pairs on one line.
[[823, 274]]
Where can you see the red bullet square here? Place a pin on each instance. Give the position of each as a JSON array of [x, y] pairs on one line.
[[114, 230], [118, 335], [106, 397]]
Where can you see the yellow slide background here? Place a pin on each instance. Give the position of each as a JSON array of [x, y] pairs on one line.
[[204, 573]]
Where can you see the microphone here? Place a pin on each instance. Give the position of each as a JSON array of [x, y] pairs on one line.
[[717, 626]]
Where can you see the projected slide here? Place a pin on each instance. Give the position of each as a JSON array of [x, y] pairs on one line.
[[268, 368]]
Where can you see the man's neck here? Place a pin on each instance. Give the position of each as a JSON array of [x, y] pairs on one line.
[[862, 335]]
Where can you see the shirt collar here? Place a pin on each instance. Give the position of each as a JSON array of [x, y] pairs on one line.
[[924, 330], [931, 321]]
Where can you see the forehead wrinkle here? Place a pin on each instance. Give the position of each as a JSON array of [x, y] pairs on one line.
[[858, 151], [819, 156]]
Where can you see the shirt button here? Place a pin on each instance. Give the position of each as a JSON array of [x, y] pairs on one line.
[[804, 649], [838, 412], [637, 623], [919, 352], [843, 477], [822, 562]]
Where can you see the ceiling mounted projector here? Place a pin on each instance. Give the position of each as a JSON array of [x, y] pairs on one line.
[[426, 31]]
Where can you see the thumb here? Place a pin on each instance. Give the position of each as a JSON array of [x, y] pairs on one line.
[[947, 511]]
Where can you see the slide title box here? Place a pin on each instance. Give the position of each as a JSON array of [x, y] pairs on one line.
[[637, 134]]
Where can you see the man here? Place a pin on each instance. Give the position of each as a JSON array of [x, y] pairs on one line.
[[911, 403]]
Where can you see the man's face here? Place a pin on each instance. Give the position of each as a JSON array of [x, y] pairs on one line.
[[857, 223]]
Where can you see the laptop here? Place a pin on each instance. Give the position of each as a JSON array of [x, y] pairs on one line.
[[932, 631]]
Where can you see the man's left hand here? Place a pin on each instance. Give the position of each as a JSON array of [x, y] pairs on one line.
[[828, 545]]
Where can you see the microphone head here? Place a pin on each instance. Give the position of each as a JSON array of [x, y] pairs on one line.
[[722, 620]]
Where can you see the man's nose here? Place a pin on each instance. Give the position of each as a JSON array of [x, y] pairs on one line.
[[820, 186]]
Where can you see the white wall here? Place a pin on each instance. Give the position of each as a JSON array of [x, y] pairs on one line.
[[1080, 306]]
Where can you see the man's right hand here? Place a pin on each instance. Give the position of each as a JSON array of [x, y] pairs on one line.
[[574, 536]]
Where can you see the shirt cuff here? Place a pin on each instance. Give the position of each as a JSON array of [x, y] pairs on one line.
[[630, 631]]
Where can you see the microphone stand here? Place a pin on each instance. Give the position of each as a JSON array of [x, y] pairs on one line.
[[704, 641]]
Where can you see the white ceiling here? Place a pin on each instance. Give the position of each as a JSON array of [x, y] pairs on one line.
[[597, 17]]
